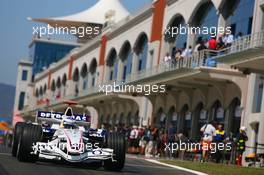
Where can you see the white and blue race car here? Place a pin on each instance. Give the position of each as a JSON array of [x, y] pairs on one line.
[[64, 137]]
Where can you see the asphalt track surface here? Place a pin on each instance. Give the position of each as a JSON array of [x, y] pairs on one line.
[[11, 166]]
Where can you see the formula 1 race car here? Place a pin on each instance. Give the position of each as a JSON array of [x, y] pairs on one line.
[[70, 141]]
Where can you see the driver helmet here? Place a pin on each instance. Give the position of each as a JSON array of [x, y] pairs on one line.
[[67, 121]]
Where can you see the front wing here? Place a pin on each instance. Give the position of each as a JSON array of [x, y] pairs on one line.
[[46, 151]]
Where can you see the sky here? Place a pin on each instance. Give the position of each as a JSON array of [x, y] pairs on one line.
[[16, 30]]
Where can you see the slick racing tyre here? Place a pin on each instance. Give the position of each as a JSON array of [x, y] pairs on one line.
[[17, 132], [116, 142], [30, 135]]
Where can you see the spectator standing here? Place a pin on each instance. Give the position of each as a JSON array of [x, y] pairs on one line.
[[181, 138], [220, 43], [134, 139], [202, 46], [171, 137], [212, 43], [143, 141], [184, 51], [167, 59], [206, 43], [178, 57], [173, 55], [239, 35], [173, 52], [219, 138], [229, 40], [241, 144], [149, 146], [208, 131], [155, 134], [198, 43]]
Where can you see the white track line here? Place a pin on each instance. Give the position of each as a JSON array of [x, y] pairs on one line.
[[176, 167]]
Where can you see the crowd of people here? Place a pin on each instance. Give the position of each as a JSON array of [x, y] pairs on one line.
[[214, 45], [152, 142]]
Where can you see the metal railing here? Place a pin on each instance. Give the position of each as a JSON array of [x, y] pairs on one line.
[[244, 43], [196, 60]]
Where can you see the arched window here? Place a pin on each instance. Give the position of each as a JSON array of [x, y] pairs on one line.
[[84, 74], [141, 49], [121, 119], [53, 87], [185, 121], [126, 56], [41, 92], [177, 41], [92, 71], [160, 119], [172, 117], [218, 113], [128, 120], [239, 15], [37, 93], [235, 111], [64, 82], [58, 85], [205, 16], [200, 118], [45, 89], [112, 63], [76, 78]]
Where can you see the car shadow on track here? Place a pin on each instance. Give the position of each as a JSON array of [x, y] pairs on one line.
[[93, 165]]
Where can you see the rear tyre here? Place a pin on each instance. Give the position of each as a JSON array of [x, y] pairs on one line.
[[17, 132], [30, 135], [116, 142]]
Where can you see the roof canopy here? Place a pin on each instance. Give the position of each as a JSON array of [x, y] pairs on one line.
[[102, 12]]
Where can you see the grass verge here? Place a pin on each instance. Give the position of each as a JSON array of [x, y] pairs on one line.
[[215, 169]]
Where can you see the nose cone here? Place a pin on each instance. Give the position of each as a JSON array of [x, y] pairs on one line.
[[74, 141]]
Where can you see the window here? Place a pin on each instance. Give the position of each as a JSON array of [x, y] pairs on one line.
[[124, 73], [24, 75], [93, 82], [242, 17], [21, 100], [250, 21], [140, 65], [259, 98], [111, 75]]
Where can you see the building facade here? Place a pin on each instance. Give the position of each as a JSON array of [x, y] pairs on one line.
[[132, 52], [44, 51]]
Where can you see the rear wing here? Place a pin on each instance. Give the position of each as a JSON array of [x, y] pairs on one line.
[[56, 117]]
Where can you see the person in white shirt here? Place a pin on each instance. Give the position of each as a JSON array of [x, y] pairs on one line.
[[134, 139], [167, 60], [187, 52], [208, 131], [229, 40]]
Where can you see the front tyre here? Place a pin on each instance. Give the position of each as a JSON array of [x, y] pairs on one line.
[[116, 141], [31, 134], [17, 132]]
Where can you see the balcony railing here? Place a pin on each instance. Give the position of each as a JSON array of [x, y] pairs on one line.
[[196, 60], [242, 44]]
